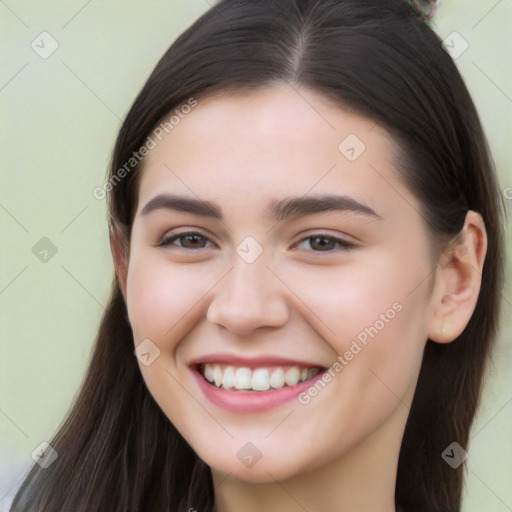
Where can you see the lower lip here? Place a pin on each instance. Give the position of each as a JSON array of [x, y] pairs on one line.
[[254, 401]]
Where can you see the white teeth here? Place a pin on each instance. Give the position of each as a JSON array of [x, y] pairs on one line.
[[229, 378], [217, 375], [243, 378], [291, 377], [260, 379], [277, 378], [208, 372]]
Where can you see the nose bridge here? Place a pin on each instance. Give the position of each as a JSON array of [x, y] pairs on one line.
[[248, 297]]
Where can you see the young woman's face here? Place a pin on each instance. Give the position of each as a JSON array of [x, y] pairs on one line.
[[293, 248]]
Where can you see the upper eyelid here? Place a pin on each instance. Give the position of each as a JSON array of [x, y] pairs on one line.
[[176, 236]]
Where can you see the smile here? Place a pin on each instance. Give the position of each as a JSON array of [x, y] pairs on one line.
[[254, 385], [256, 379]]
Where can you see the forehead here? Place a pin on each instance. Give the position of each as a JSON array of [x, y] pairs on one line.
[[269, 143]]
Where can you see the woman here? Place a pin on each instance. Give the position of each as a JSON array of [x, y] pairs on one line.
[[307, 235]]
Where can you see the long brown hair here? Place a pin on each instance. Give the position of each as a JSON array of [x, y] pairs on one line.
[[117, 450]]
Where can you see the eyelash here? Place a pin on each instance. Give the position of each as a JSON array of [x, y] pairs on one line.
[[344, 245]]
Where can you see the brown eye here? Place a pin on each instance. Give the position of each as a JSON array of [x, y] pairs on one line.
[[189, 241], [192, 241], [323, 243]]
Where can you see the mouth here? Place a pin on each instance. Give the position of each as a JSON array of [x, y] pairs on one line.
[[253, 385], [261, 379]]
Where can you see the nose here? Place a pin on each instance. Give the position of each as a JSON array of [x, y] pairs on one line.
[[250, 296]]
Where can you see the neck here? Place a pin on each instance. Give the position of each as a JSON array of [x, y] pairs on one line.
[[362, 479]]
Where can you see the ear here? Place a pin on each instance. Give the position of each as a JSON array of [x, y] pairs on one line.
[[458, 281], [120, 253]]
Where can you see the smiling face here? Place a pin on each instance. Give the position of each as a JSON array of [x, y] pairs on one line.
[[290, 249]]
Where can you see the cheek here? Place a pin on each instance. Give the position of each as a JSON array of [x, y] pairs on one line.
[[369, 316], [164, 302], [353, 296], [161, 295]]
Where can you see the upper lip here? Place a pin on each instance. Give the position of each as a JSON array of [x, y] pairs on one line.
[[262, 360]]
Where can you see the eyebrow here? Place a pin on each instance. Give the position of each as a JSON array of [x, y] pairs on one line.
[[277, 210]]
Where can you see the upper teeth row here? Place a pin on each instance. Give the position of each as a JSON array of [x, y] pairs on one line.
[[258, 379]]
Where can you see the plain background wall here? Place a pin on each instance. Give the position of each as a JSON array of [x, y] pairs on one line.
[[60, 115]]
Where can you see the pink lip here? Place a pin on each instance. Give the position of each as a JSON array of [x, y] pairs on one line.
[[251, 362], [252, 401]]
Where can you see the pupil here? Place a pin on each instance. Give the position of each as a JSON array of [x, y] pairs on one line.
[[193, 239], [323, 242]]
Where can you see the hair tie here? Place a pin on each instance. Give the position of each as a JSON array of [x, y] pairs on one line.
[[425, 8]]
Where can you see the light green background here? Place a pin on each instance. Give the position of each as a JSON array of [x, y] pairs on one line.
[[59, 120]]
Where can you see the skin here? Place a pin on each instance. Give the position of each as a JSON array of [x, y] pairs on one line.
[[339, 451]]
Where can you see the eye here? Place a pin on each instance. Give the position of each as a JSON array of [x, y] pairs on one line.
[[189, 240], [325, 243], [192, 240]]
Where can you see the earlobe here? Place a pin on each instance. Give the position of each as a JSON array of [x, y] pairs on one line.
[[459, 281], [119, 248]]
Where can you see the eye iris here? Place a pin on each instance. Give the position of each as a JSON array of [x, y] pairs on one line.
[[324, 243], [194, 239]]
